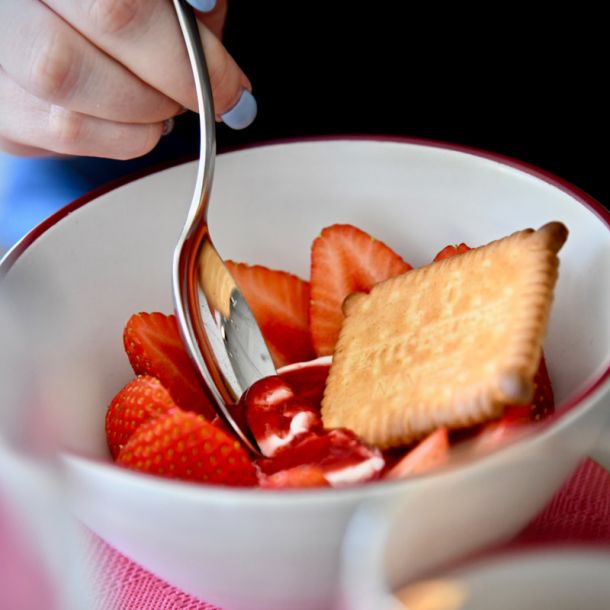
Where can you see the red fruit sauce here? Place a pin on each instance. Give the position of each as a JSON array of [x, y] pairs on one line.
[[283, 413]]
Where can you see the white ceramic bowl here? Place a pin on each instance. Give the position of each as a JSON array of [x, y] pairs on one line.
[[77, 279]]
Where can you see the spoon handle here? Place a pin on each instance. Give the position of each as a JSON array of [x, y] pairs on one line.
[[205, 105]]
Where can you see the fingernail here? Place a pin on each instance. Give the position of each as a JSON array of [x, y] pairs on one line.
[[243, 113], [205, 6], [167, 127]]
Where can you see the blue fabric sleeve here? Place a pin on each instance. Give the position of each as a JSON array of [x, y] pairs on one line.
[[31, 189]]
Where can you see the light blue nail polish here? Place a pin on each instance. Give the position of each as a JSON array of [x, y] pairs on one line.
[[205, 6], [167, 127], [242, 114]]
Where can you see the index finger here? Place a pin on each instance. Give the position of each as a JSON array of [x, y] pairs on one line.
[[144, 36], [53, 61]]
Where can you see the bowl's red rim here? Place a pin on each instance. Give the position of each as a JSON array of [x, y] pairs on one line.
[[579, 195]]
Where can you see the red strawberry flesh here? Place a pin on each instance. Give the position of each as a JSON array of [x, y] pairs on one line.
[[298, 477], [276, 416], [289, 430], [429, 453], [344, 259], [280, 304], [342, 456], [154, 347], [308, 380], [183, 445], [516, 417], [451, 250], [142, 399], [543, 403]]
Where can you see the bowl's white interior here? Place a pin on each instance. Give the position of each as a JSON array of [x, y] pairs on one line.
[[81, 280]]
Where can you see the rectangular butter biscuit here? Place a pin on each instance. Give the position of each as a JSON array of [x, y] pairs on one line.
[[449, 344]]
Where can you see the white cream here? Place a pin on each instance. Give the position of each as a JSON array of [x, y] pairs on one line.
[[358, 473], [296, 366], [300, 423], [279, 395]]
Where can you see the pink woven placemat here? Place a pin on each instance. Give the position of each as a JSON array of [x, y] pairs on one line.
[[579, 513]]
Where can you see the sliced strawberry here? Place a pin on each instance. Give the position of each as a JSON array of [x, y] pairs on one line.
[[295, 478], [279, 302], [515, 417], [344, 259], [495, 433], [342, 456], [276, 416], [543, 403], [140, 400], [516, 414], [154, 347], [183, 445], [429, 453], [451, 250]]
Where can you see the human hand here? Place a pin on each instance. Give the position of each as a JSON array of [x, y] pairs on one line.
[[105, 78]]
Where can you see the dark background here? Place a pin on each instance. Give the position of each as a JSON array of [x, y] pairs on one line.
[[500, 78], [503, 77]]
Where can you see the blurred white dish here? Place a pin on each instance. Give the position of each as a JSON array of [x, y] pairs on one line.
[[561, 579], [82, 274]]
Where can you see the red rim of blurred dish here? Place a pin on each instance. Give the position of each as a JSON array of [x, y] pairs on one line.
[[583, 198]]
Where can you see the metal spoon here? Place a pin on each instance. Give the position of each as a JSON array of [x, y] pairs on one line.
[[216, 323]]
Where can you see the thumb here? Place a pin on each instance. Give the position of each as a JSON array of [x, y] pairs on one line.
[[234, 103]]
